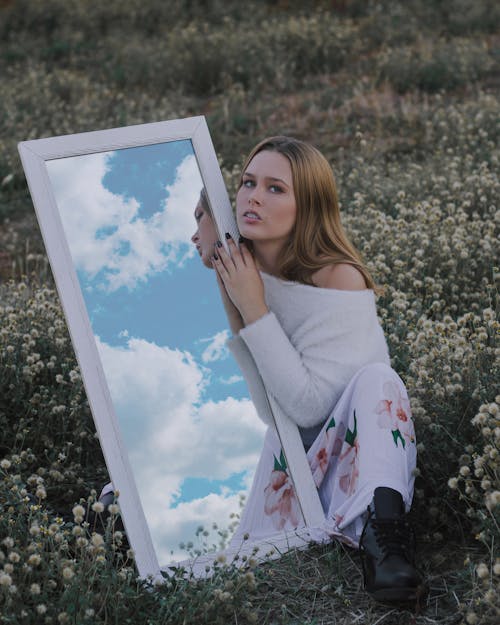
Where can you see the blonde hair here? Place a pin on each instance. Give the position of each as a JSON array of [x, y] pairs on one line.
[[318, 238], [203, 200]]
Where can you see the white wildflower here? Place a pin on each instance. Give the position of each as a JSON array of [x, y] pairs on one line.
[[35, 529], [97, 540], [35, 589], [68, 573], [98, 507], [78, 513], [41, 493], [34, 559]]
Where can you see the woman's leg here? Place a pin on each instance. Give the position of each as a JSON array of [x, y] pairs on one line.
[[364, 459], [368, 441], [358, 449]]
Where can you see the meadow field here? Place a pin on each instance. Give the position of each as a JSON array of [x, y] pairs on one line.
[[403, 99]]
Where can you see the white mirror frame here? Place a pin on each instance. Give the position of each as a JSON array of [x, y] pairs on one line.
[[34, 154]]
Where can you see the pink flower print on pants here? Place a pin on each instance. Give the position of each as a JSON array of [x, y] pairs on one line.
[[339, 440], [322, 466], [348, 461], [395, 414], [280, 500], [321, 461]]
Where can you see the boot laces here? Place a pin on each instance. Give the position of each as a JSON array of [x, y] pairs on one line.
[[394, 537]]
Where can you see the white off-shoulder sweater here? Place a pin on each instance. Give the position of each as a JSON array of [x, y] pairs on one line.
[[307, 348]]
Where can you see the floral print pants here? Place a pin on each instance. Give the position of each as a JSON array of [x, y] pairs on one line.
[[367, 441]]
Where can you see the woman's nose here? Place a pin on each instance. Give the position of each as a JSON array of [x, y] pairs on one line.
[[254, 197], [195, 237]]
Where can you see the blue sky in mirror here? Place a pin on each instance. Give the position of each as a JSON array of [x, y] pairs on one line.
[[192, 433]]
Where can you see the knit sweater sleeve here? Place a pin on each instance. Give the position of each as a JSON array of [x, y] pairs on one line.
[[304, 395], [306, 376]]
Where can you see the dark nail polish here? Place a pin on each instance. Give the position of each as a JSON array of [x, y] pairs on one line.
[[228, 236], [216, 257], [241, 240], [219, 243]]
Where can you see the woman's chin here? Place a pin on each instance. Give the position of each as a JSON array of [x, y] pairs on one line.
[[246, 232], [243, 229]]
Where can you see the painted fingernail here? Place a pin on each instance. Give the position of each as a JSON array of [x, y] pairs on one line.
[[215, 257], [228, 236], [241, 240], [219, 244]]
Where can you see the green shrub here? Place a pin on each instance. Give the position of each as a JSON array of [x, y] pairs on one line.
[[436, 67]]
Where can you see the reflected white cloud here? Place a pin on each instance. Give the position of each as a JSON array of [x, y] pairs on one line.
[[184, 520], [232, 379], [211, 440], [216, 349], [106, 231], [152, 388]]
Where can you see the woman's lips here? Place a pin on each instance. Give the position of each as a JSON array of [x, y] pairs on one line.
[[250, 217]]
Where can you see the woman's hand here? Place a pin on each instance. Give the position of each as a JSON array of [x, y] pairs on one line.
[[241, 279], [232, 313]]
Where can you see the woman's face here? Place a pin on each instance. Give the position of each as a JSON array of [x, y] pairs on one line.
[[265, 202], [205, 236]]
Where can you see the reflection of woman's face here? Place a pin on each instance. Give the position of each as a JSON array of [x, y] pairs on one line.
[[205, 236], [265, 203]]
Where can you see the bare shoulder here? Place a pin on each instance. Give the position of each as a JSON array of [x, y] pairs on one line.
[[341, 276]]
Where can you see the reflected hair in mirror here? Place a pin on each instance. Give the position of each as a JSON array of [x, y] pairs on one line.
[[206, 234]]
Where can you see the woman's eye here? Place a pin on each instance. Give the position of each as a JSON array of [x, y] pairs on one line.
[[274, 188], [248, 183]]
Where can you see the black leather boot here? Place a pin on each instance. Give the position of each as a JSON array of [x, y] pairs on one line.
[[387, 547]]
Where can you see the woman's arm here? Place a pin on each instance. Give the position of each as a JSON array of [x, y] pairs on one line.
[[306, 372], [305, 381]]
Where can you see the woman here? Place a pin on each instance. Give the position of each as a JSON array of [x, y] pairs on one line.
[[301, 306]]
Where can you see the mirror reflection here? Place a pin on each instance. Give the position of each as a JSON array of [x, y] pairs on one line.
[[137, 221]]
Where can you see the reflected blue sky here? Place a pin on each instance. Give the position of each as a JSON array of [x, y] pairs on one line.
[[144, 172]]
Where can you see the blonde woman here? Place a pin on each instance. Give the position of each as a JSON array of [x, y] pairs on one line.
[[301, 306]]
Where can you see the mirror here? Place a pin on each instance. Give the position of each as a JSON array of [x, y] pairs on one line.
[[192, 437], [117, 210]]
